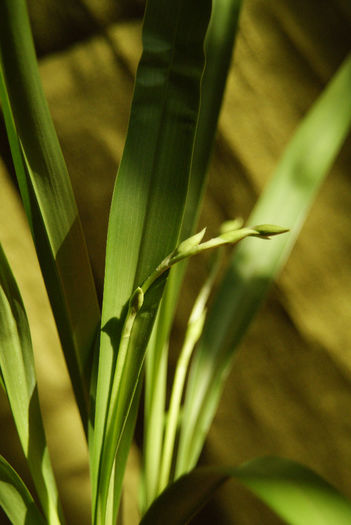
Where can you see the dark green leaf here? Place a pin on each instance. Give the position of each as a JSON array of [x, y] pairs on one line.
[[220, 38], [48, 197]]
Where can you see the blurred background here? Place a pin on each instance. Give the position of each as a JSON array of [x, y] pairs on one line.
[[289, 393]]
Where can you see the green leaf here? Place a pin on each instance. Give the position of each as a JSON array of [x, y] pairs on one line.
[[294, 492], [219, 42], [15, 498], [48, 198], [123, 453], [149, 198], [219, 47], [286, 200], [17, 368]]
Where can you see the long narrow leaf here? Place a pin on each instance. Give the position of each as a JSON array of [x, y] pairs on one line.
[[219, 48], [293, 491], [17, 368], [287, 200], [123, 453], [151, 187], [220, 38], [48, 198], [15, 498]]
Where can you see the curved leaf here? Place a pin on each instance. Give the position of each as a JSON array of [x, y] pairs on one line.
[[15, 498], [287, 199], [48, 198], [17, 369], [297, 494]]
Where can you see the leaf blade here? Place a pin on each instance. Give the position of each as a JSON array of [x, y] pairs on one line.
[[15, 498], [294, 492], [220, 39], [48, 198], [298, 176], [151, 185], [17, 369]]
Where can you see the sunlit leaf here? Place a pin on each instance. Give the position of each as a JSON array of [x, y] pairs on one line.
[[294, 492], [48, 198], [17, 369], [15, 498], [148, 204], [285, 201]]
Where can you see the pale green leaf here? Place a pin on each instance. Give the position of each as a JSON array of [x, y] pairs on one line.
[[286, 200], [15, 498], [294, 492], [17, 368]]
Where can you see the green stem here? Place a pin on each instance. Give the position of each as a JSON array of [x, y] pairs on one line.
[[135, 303], [174, 408], [192, 246], [193, 333], [186, 249], [218, 50], [155, 395]]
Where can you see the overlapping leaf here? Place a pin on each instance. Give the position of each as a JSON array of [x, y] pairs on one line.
[[17, 368], [147, 206], [293, 491], [48, 198], [15, 498], [286, 200], [218, 49]]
